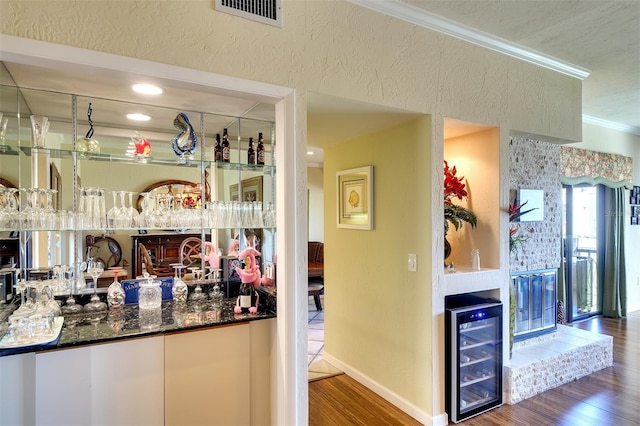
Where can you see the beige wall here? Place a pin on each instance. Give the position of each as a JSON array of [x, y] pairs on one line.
[[477, 158], [381, 312], [378, 313]]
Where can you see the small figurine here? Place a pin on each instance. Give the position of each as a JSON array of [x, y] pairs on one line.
[[143, 147], [211, 255], [139, 147], [251, 272], [235, 246], [250, 279], [184, 143]]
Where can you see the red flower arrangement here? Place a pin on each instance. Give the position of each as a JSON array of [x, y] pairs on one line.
[[455, 188]]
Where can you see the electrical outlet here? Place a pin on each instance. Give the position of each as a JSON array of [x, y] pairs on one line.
[[412, 263]]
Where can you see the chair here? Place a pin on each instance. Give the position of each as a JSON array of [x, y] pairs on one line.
[[316, 272], [146, 259], [190, 251], [316, 290]]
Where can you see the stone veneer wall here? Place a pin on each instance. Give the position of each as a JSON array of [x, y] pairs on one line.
[[536, 165]]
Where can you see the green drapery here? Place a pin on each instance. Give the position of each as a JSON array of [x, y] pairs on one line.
[[614, 299], [614, 172]]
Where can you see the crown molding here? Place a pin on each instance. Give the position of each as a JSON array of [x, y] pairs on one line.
[[431, 21], [611, 125]]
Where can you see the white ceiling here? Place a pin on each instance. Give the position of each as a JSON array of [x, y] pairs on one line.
[[602, 36]]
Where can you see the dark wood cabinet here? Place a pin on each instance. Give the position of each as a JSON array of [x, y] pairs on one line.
[[164, 249], [9, 251]]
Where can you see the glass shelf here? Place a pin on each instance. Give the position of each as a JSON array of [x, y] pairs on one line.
[[123, 158], [8, 150], [61, 167], [114, 230]]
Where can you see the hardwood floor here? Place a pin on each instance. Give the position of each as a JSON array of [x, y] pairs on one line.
[[609, 397]]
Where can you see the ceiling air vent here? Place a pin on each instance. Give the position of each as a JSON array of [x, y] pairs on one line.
[[265, 11]]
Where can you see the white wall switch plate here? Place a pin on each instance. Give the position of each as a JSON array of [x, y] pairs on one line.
[[412, 263]]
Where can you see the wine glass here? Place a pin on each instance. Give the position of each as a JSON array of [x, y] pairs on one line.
[[198, 295], [134, 216], [112, 214], [115, 292], [216, 294], [71, 307], [179, 290], [95, 268], [27, 307]]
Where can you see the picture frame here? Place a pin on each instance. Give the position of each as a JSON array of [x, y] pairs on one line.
[[251, 190], [355, 198], [55, 183]]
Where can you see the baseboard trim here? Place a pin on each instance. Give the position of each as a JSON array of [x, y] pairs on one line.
[[406, 406]]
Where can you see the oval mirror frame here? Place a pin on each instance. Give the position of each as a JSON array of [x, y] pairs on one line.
[[174, 186]]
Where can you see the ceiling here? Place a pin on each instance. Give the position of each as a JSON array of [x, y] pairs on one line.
[[602, 36]]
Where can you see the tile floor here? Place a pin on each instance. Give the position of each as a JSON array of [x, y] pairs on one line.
[[318, 368]]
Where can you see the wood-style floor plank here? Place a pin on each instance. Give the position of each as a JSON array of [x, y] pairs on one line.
[[341, 401], [609, 397]]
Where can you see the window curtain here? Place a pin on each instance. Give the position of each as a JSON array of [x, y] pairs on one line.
[[615, 173], [592, 167], [614, 298]]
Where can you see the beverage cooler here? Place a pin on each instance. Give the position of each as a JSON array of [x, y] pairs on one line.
[[473, 353]]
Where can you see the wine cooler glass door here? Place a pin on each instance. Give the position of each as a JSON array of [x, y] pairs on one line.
[[476, 360]]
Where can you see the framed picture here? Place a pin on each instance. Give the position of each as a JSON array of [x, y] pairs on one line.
[[56, 183], [355, 198], [251, 190]]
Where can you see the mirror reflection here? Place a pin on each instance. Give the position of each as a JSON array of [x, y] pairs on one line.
[[43, 158]]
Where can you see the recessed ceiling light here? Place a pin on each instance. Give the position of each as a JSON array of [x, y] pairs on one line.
[[310, 153], [138, 117], [147, 89]]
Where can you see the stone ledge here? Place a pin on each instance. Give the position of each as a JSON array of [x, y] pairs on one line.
[[567, 355]]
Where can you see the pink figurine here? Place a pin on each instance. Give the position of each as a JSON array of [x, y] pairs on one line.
[[251, 272], [235, 246], [249, 275], [211, 255]]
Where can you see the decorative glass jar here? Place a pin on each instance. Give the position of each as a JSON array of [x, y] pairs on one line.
[[149, 293]]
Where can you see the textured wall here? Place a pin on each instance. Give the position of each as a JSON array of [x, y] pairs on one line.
[[536, 165], [327, 47], [340, 49]]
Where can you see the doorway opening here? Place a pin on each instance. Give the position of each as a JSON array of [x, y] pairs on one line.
[[583, 249]]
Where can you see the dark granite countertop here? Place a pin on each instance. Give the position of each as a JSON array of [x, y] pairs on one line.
[[131, 322]]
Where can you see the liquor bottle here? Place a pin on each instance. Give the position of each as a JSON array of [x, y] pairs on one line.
[[226, 148], [260, 156], [251, 153], [218, 149]]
